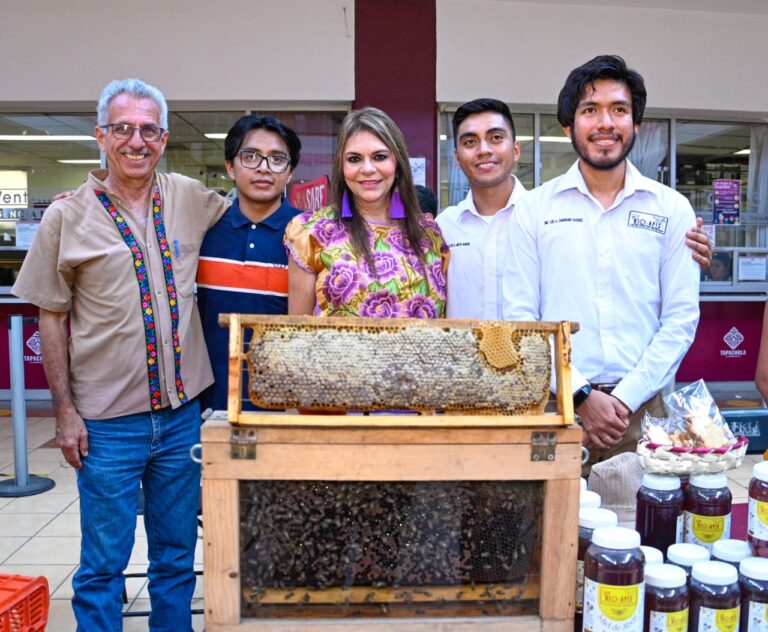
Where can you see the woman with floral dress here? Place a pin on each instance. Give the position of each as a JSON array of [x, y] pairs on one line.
[[372, 253]]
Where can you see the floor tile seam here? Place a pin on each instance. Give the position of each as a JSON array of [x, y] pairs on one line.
[[65, 579], [10, 505], [32, 513], [21, 546]]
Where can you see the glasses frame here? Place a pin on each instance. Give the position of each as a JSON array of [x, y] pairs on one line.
[[111, 127], [262, 158]]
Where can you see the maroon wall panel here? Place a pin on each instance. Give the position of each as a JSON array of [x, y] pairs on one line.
[[726, 344], [395, 69]]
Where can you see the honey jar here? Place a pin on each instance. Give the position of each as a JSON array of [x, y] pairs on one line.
[[614, 590]]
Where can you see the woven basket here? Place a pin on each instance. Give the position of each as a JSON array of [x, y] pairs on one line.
[[663, 459]]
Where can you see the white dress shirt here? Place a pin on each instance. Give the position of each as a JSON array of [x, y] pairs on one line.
[[624, 273], [479, 246]]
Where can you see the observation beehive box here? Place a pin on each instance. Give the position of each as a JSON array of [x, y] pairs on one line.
[[439, 521]]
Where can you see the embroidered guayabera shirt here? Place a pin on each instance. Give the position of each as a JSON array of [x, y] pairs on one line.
[[624, 273], [83, 261]]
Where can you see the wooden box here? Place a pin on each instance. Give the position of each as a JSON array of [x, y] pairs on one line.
[[272, 467]]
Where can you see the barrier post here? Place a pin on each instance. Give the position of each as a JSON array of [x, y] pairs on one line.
[[22, 484]]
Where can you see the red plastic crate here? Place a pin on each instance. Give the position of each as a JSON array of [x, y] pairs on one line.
[[23, 603]]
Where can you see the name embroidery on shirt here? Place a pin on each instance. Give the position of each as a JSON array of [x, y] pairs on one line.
[[560, 220], [142, 277], [458, 244], [648, 221]]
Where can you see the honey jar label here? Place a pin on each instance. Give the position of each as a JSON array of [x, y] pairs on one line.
[[757, 523], [715, 620], [614, 608], [705, 530], [668, 621], [758, 617], [579, 585]]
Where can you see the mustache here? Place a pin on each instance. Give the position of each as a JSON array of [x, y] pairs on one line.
[[605, 136]]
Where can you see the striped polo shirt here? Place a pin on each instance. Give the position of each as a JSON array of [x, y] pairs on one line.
[[243, 268]]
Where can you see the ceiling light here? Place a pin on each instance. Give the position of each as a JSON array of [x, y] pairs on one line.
[[214, 136], [742, 152], [81, 161], [45, 137]]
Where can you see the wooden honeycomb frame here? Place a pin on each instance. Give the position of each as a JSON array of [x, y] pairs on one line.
[[507, 354]]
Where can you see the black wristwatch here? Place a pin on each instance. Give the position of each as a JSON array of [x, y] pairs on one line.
[[580, 396]]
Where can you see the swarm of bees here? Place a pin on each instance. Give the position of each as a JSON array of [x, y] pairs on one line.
[[304, 535]]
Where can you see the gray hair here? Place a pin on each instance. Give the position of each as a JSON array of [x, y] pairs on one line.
[[135, 88]]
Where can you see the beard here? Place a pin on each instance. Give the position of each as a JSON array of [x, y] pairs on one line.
[[603, 163]]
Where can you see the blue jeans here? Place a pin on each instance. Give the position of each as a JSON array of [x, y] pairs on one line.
[[151, 449]]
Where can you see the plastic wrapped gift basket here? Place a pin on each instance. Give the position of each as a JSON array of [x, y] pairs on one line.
[[694, 439]]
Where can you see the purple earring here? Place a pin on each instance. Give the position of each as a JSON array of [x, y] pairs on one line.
[[396, 208], [346, 210]]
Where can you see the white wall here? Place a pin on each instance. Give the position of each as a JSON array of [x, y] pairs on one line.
[[222, 50], [522, 52]]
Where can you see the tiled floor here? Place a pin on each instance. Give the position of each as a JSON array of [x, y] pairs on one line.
[[40, 535]]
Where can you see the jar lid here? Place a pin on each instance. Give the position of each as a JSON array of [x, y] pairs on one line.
[[583, 483], [661, 482], [709, 481], [589, 499], [665, 576], [760, 471], [717, 573], [731, 550], [618, 538], [594, 517], [687, 554], [652, 555], [754, 568]]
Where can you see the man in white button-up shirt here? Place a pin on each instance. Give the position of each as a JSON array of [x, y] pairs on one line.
[[476, 229], [605, 246]]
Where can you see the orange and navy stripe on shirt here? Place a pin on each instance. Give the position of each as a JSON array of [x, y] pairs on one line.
[[243, 268]]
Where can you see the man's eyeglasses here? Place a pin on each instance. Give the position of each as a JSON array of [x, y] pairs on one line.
[[252, 160], [123, 131]]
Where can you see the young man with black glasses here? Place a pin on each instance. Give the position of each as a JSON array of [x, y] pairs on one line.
[[243, 264]]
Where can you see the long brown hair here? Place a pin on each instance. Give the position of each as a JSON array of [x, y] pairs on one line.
[[383, 127]]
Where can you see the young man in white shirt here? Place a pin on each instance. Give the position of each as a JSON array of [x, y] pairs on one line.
[[605, 246], [476, 229]]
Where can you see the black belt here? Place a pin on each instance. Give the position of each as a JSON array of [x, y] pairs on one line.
[[604, 388]]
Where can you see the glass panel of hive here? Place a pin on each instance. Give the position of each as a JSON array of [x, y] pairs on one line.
[[356, 549]]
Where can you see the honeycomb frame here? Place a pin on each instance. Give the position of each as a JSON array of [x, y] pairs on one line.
[[340, 364]]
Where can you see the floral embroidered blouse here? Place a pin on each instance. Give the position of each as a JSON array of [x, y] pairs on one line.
[[346, 286]]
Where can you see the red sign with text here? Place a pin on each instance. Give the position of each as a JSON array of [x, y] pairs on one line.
[[34, 376], [310, 196], [726, 344]]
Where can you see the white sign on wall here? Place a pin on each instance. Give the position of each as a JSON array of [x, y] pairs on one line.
[[13, 189]]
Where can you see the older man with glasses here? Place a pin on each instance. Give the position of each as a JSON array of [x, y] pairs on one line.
[[115, 264]]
